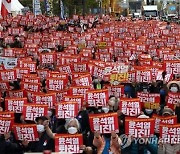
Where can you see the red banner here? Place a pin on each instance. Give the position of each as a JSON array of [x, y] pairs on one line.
[[34, 87], [149, 100], [32, 80], [56, 84], [143, 76], [78, 90], [32, 111], [79, 99], [173, 99], [68, 143], [6, 125], [8, 75], [17, 93], [6, 114], [105, 123], [45, 99], [84, 80], [170, 133], [80, 67], [117, 91], [139, 127], [130, 106], [163, 120], [65, 110], [97, 98], [47, 58], [26, 132], [172, 67], [15, 104]]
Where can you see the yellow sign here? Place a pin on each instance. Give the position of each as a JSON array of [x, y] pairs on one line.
[[121, 77], [151, 105], [102, 44], [81, 45]]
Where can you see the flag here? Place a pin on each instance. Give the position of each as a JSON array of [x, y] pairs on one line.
[[5, 7], [62, 9], [36, 7]]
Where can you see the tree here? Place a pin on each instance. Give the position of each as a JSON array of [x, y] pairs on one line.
[[70, 5]]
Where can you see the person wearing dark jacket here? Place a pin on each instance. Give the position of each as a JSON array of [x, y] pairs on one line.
[[8, 146], [45, 141]]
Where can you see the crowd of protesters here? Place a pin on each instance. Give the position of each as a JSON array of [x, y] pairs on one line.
[[33, 38]]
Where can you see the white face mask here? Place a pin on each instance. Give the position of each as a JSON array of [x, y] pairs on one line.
[[174, 89], [105, 109], [40, 128], [72, 130]]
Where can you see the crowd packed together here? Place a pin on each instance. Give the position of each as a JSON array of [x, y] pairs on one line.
[[89, 84]]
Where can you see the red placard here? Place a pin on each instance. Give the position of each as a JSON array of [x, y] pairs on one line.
[[6, 114], [32, 80], [65, 110], [144, 75], [131, 76], [130, 106], [47, 58], [104, 123], [68, 143], [34, 87], [149, 100], [4, 85], [17, 93], [173, 99], [117, 91], [32, 111], [65, 69], [97, 98], [84, 80], [172, 67], [56, 84], [78, 90], [58, 75], [79, 99], [45, 99], [21, 71], [170, 133], [15, 104], [8, 75], [163, 120], [29, 64], [80, 67], [6, 125], [26, 132], [139, 127], [98, 71]]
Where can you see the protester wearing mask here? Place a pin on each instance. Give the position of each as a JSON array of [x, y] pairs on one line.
[[45, 137], [174, 86], [166, 148], [72, 126], [145, 148]]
